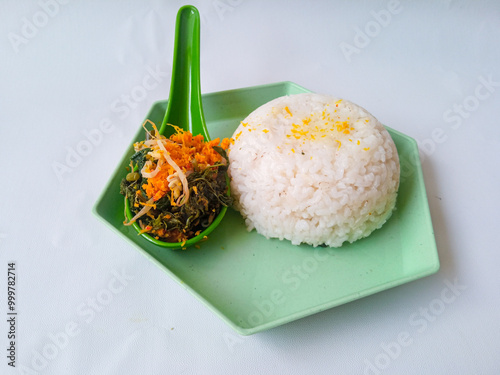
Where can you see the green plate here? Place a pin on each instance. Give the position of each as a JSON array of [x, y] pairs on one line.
[[255, 284]]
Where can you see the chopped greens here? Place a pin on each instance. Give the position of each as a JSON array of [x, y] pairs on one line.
[[176, 187]]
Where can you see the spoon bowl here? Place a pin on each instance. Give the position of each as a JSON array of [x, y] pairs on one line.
[[184, 108]]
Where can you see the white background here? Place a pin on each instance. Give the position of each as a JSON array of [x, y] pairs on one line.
[[66, 68]]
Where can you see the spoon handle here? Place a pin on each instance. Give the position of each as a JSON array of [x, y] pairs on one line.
[[184, 105]]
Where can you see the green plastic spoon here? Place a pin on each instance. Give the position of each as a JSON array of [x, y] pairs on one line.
[[184, 107], [184, 104]]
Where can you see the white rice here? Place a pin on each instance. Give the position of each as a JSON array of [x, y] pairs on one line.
[[313, 169]]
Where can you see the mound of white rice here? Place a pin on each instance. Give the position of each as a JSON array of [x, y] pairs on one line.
[[313, 169]]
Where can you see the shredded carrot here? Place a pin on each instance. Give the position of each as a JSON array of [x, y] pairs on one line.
[[225, 143], [184, 149], [146, 229]]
